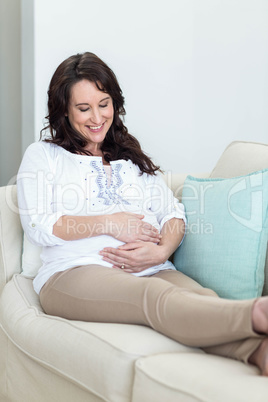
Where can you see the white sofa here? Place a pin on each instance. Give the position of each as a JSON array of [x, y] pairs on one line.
[[50, 359]]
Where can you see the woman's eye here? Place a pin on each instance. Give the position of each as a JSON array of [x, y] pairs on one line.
[[104, 105], [84, 110]]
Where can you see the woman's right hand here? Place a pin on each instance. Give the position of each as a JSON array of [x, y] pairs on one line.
[[129, 227]]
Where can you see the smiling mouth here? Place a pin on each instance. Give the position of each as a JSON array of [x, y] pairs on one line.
[[96, 128]]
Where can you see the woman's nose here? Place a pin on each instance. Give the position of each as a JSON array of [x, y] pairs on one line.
[[96, 116]]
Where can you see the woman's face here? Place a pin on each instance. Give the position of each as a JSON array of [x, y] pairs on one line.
[[90, 112]]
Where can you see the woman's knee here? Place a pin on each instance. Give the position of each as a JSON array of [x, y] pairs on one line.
[[206, 292]]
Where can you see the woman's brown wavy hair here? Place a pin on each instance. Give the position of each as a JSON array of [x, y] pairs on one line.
[[118, 143]]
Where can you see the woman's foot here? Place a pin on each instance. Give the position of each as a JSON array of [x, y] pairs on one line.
[[260, 315], [260, 325], [260, 357]]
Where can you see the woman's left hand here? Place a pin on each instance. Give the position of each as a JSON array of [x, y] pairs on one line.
[[134, 257]]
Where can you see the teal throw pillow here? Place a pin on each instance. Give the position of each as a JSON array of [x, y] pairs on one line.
[[226, 237]]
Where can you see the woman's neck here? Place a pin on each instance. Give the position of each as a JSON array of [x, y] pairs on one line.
[[96, 151]]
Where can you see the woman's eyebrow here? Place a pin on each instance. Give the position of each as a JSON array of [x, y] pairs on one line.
[[80, 104], [107, 97]]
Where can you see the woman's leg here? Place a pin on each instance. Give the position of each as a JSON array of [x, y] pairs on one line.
[[180, 280], [241, 349], [97, 293]]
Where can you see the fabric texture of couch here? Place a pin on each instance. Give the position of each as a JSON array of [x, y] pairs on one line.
[[45, 358]]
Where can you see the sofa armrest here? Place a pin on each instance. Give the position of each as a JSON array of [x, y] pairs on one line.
[[11, 235]]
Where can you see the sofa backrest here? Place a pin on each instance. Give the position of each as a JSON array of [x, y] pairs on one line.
[[241, 158], [11, 235], [175, 181]]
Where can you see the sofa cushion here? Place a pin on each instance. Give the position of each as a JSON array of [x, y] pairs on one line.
[[98, 357], [10, 235], [226, 241], [241, 158], [31, 258], [189, 377]]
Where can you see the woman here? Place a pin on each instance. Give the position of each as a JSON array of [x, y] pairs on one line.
[[108, 223]]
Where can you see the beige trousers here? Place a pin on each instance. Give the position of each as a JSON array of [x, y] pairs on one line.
[[169, 302]]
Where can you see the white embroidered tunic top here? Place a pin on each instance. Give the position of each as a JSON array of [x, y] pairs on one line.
[[53, 182]]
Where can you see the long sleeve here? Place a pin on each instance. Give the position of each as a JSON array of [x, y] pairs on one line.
[[163, 203], [35, 191]]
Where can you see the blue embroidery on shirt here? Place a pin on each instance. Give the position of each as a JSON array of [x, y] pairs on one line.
[[108, 194]]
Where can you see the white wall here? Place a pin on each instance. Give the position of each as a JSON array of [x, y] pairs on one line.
[[10, 90], [28, 73], [194, 73]]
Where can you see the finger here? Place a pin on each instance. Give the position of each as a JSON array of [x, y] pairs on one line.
[[110, 249], [146, 238], [151, 232], [124, 264], [149, 226], [130, 246], [133, 270], [115, 261], [156, 233], [114, 252]]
